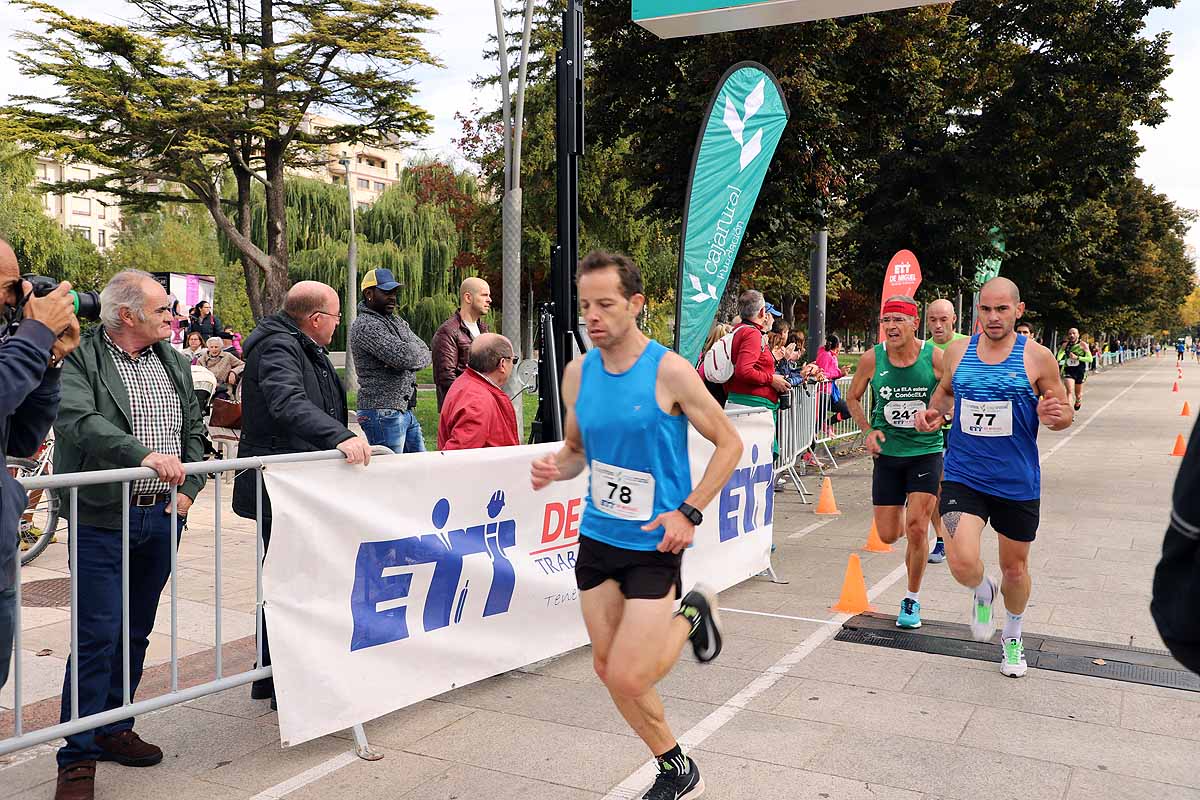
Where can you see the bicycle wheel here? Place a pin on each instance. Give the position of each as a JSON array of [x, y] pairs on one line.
[[40, 521]]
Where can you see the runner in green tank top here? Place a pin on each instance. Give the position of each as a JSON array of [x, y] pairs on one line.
[[902, 373], [940, 321]]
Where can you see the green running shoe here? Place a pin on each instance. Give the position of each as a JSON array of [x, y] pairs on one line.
[[982, 619], [1013, 663]]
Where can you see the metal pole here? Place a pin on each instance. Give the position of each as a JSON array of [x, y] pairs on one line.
[[565, 253], [510, 208], [351, 309], [816, 292], [958, 322]]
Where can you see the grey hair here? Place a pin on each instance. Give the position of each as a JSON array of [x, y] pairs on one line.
[[750, 303], [123, 290], [214, 340], [485, 357]]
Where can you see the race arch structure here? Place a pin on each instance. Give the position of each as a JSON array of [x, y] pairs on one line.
[[669, 19]]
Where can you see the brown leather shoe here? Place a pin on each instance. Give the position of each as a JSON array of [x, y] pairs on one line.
[[128, 749], [76, 781]]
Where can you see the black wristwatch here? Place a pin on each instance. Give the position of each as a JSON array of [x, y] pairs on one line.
[[692, 513]]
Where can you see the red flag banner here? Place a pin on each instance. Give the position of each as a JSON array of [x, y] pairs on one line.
[[903, 277]]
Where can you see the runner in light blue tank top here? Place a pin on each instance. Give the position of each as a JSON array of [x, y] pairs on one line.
[[637, 452], [1000, 386], [628, 405]]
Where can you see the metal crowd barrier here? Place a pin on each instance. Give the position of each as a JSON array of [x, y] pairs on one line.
[[220, 682], [795, 432], [829, 430]]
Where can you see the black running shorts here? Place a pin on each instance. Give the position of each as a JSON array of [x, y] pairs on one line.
[[1077, 374], [642, 574], [896, 477], [1012, 519]]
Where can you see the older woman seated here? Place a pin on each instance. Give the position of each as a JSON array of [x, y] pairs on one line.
[[221, 364]]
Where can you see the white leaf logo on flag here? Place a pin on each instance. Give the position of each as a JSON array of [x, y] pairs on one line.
[[701, 296], [754, 100], [733, 121], [737, 123], [751, 149]]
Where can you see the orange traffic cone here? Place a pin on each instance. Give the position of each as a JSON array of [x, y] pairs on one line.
[[826, 504], [1180, 446], [874, 543], [1175, 386], [1187, 410], [854, 589]]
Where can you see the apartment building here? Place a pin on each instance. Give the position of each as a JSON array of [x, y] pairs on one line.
[[371, 170], [97, 217], [93, 215]]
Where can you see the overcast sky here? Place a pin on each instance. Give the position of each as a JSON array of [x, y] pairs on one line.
[[460, 36]]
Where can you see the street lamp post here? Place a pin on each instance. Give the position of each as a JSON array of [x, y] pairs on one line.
[[351, 310]]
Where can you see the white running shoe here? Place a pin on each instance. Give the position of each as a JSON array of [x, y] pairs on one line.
[[982, 618], [1012, 662]]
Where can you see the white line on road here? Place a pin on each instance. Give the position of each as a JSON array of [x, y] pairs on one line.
[[1089, 420], [810, 528], [306, 777], [778, 616]]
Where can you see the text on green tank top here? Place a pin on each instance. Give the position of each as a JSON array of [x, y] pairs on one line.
[[899, 394]]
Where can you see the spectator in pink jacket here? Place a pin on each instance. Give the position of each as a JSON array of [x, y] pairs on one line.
[[827, 361]]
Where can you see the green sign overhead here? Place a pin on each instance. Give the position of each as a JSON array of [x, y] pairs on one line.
[[670, 18], [990, 267], [743, 125]]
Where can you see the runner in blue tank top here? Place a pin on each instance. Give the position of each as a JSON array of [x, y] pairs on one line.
[[1000, 386], [628, 403]]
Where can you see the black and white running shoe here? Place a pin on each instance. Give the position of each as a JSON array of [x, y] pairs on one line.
[[672, 785], [699, 608]]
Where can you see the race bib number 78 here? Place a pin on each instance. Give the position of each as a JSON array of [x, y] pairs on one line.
[[986, 419], [622, 493]]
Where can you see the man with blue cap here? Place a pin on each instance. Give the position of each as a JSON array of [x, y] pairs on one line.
[[387, 354]]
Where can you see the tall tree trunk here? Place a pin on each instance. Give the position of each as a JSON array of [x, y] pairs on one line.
[[277, 247], [276, 286], [250, 268]]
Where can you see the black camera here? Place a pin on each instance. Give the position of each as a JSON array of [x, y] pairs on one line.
[[87, 304]]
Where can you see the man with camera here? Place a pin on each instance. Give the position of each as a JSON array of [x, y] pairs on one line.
[[127, 401], [38, 333]]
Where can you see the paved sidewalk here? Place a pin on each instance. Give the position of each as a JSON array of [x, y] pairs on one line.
[[786, 712]]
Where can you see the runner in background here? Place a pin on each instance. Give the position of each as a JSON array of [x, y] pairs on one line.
[[1073, 358], [940, 320], [628, 404], [908, 463]]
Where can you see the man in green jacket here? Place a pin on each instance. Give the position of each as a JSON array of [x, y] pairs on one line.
[[127, 401]]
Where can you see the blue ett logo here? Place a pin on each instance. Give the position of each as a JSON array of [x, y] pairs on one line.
[[383, 589]]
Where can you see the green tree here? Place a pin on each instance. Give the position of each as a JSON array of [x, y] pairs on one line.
[[41, 246], [182, 238], [192, 91]]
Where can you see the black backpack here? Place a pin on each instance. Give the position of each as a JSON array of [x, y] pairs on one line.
[[1175, 603]]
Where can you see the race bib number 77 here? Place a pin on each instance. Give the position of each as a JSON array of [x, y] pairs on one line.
[[986, 419]]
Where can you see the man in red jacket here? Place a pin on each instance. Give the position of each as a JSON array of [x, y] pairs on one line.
[[476, 411], [755, 382]]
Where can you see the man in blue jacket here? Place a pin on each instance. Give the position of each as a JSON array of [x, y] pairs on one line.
[[31, 355]]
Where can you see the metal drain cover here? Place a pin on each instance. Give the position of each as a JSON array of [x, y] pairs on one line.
[[49, 593], [1097, 659]]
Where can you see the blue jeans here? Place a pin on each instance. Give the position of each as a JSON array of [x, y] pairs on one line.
[[98, 572], [395, 429], [8, 602]]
